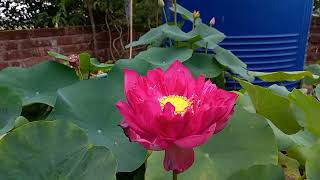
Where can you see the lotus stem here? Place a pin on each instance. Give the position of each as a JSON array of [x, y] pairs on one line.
[[175, 12], [165, 15], [206, 47], [174, 176], [131, 28]]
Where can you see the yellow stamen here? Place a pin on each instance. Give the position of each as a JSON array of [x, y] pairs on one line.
[[180, 103]]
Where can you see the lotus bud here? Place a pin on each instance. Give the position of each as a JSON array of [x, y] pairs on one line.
[[74, 60], [161, 3], [212, 21], [196, 14]]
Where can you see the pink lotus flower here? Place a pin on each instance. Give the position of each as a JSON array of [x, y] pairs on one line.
[[174, 112]]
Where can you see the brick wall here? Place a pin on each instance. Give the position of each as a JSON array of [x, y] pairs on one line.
[[27, 47], [314, 41]]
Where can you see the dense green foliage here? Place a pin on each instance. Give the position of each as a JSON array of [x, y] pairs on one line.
[[316, 7], [24, 14]]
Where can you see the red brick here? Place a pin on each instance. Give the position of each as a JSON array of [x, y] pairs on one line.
[[41, 51], [35, 43], [14, 35], [315, 38], [102, 36], [25, 44], [46, 32], [82, 38], [315, 20], [16, 64], [19, 54], [65, 40], [68, 48], [30, 62], [3, 65], [78, 30], [102, 44], [84, 46], [3, 56], [42, 42], [8, 45], [12, 55]]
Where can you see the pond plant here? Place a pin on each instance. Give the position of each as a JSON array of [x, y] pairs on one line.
[[63, 121]]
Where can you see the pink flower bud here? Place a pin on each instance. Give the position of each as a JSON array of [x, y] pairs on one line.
[[212, 21], [74, 60]]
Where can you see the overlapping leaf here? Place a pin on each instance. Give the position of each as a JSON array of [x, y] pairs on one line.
[[263, 172], [232, 62], [39, 83], [317, 90], [274, 107], [57, 55], [283, 76], [204, 64], [185, 13], [53, 150], [162, 32], [313, 163], [236, 147], [210, 36], [10, 108], [163, 57], [311, 110], [91, 105], [285, 142]]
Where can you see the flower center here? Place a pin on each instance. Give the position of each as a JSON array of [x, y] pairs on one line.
[[179, 102]]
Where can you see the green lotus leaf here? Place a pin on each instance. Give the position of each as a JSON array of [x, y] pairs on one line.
[[237, 147], [39, 83], [53, 150]]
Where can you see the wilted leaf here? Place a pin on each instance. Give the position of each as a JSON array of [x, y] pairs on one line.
[[290, 166]]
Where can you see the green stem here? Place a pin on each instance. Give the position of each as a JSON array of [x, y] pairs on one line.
[[206, 47], [131, 28], [174, 176], [175, 12], [193, 24], [166, 19], [165, 15]]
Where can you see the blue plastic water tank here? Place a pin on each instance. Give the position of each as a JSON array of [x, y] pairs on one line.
[[268, 35]]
